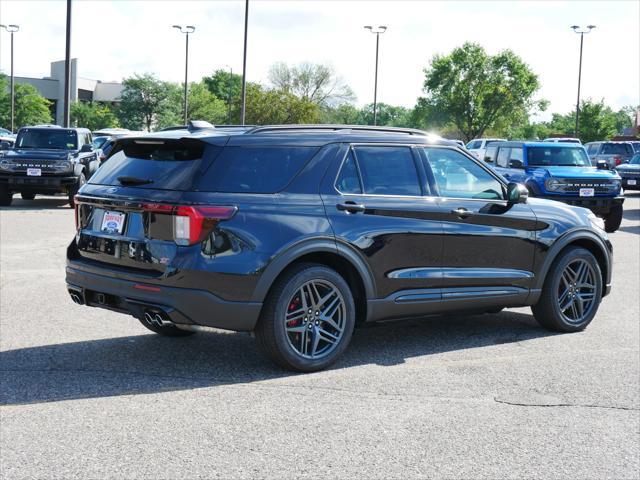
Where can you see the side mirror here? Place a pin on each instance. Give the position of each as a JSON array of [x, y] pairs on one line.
[[86, 148], [516, 193], [602, 165], [4, 145], [516, 164], [488, 159]]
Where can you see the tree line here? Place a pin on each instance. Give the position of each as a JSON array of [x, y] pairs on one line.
[[466, 94]]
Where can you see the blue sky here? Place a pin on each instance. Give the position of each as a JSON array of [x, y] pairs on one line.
[[114, 39]]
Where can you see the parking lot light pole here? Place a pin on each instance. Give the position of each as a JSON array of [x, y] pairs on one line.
[[576, 29], [377, 31], [187, 30], [12, 29], [243, 107]]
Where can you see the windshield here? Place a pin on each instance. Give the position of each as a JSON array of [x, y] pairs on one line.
[[635, 159], [617, 149], [557, 156], [98, 142], [53, 138]]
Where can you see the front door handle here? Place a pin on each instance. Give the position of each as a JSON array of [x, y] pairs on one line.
[[461, 212], [351, 207]]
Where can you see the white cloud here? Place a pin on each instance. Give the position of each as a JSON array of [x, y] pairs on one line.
[[118, 38]]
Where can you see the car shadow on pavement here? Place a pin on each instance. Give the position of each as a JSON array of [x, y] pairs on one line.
[[48, 203], [151, 363]]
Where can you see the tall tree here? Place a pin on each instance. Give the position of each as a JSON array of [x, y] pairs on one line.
[[316, 83], [148, 103], [222, 84], [475, 91], [31, 108], [93, 116], [204, 105]]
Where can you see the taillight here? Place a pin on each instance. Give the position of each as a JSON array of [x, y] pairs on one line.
[[192, 224], [618, 160], [76, 211]]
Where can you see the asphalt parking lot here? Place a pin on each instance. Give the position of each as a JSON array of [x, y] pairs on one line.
[[87, 393]]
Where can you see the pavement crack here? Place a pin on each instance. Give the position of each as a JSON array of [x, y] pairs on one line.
[[577, 405]]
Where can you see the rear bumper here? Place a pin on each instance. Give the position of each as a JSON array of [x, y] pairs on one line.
[[44, 184], [181, 305], [600, 205]]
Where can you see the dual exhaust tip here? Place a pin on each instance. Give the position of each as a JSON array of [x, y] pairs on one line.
[[76, 297], [158, 319]]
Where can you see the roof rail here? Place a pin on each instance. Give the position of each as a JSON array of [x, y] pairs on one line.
[[336, 128]]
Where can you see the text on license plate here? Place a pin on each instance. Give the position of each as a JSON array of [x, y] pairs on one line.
[[632, 182], [587, 192], [113, 222], [34, 172]]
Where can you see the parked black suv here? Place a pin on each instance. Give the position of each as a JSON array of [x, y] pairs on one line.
[[300, 233], [47, 160]]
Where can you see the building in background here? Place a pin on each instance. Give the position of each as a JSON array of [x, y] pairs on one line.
[[82, 89]]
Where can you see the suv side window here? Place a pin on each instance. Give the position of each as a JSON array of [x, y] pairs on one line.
[[503, 157], [388, 171], [490, 154], [348, 180], [460, 177]]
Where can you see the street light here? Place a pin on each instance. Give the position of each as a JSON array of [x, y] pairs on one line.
[[377, 31], [12, 29], [230, 84], [577, 29], [243, 106], [186, 30]]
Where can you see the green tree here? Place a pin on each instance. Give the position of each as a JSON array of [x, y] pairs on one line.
[[92, 115], [388, 115], [148, 103], [475, 91], [31, 108], [344, 114], [316, 83], [222, 84], [204, 105]]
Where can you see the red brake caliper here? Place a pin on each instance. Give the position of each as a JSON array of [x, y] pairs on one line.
[[293, 306]]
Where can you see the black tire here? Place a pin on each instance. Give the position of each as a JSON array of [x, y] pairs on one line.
[[548, 311], [72, 192], [166, 330], [271, 332], [613, 220], [28, 196], [6, 197]]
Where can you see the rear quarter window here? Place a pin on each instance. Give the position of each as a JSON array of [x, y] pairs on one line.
[[254, 169]]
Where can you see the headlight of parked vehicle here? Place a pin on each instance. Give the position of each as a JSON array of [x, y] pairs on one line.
[[555, 184], [62, 166], [615, 185], [7, 166]]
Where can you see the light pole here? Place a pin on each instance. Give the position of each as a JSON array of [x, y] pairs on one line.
[[229, 88], [12, 29], [188, 29], [576, 29], [67, 71], [377, 31], [243, 107]]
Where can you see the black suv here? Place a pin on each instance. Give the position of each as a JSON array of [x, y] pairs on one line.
[[300, 233], [47, 160]]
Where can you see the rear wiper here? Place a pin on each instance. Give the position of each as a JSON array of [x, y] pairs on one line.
[[134, 181]]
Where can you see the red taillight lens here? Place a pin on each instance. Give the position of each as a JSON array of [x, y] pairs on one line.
[[76, 211], [192, 224], [618, 160]]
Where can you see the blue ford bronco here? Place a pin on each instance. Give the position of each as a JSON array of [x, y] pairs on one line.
[[562, 172]]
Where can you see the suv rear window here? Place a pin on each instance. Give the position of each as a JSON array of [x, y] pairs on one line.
[[617, 149], [255, 169]]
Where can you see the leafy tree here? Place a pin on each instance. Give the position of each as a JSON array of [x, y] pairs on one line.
[[475, 91], [31, 108], [222, 82], [388, 115], [345, 114], [204, 105], [93, 116], [147, 102], [312, 82]]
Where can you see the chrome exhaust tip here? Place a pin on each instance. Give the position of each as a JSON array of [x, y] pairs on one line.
[[155, 318], [77, 299]]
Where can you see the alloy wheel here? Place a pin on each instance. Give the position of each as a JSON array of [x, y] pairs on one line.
[[577, 291]]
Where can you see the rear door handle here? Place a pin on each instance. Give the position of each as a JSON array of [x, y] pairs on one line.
[[461, 212], [351, 207]]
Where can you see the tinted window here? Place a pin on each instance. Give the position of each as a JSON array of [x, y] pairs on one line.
[[169, 165], [49, 138], [460, 177], [617, 149], [349, 180], [636, 146], [554, 156], [474, 144], [255, 169], [490, 153], [593, 149], [503, 157], [388, 171]]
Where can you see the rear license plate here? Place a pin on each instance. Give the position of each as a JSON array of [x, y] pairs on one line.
[[34, 172], [632, 182], [587, 192], [113, 222]]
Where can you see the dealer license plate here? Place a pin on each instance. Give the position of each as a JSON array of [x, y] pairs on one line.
[[113, 222], [632, 182], [34, 172], [587, 192]]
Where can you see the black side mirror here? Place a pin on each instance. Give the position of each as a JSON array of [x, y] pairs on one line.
[[602, 165], [87, 147], [516, 164], [517, 193]]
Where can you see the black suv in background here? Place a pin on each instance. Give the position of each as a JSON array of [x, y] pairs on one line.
[[47, 160], [300, 233]]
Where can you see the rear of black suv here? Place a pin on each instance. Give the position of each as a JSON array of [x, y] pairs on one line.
[[297, 237]]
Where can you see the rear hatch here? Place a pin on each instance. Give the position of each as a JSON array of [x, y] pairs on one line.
[[130, 213]]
